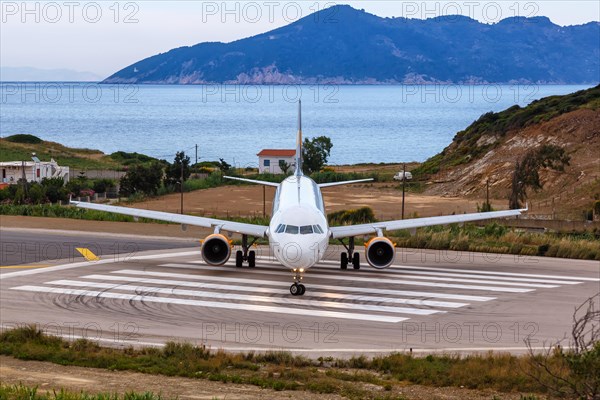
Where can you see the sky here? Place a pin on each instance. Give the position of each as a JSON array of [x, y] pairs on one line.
[[103, 37]]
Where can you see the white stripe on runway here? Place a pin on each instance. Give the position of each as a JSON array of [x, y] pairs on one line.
[[399, 273], [247, 298], [254, 289], [574, 278], [343, 277], [435, 295], [436, 277], [212, 304], [322, 263]]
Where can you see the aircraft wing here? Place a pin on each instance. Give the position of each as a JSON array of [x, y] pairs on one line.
[[264, 183], [229, 226], [366, 229], [325, 185]]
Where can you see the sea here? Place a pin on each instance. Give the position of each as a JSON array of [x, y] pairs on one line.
[[366, 124]]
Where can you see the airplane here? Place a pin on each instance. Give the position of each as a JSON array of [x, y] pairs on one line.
[[298, 231]]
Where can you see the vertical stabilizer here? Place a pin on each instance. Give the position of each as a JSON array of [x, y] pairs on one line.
[[299, 142]]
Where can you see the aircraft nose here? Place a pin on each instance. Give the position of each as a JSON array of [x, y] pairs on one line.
[[294, 254]]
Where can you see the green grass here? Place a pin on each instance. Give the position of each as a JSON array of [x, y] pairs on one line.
[[56, 211], [21, 392], [73, 157], [495, 238], [283, 371]]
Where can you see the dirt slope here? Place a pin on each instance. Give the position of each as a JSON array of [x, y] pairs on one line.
[[577, 131]]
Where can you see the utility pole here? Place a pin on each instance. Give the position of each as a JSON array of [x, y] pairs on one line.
[[487, 195], [196, 154], [403, 187], [181, 186]]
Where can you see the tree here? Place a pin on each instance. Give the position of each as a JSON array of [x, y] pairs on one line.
[[55, 189], [142, 178], [37, 193], [103, 185], [284, 166], [526, 173], [173, 171], [315, 153], [224, 166]]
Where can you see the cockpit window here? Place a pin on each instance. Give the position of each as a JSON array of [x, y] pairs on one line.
[[306, 230], [318, 229], [291, 229], [280, 228]]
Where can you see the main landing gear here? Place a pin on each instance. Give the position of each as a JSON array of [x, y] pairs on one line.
[[350, 256], [297, 288], [244, 255]]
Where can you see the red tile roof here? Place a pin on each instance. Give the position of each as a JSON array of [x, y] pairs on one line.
[[276, 153]]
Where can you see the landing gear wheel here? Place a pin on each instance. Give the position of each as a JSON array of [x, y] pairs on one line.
[[302, 289], [356, 261], [344, 261], [239, 258], [295, 289], [252, 259]]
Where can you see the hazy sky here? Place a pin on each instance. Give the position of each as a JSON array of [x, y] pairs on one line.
[[105, 36]]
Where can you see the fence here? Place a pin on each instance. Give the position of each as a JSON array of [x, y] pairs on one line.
[[98, 173]]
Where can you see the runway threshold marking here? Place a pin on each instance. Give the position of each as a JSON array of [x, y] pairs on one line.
[[400, 269], [312, 286], [247, 298], [444, 275], [283, 291], [341, 277], [213, 304]]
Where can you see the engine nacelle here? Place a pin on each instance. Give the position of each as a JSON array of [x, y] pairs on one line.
[[216, 249], [380, 252]]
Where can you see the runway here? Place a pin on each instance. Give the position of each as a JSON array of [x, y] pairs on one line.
[[427, 301]]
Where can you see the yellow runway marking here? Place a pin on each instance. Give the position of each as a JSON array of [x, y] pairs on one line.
[[87, 254], [25, 266]]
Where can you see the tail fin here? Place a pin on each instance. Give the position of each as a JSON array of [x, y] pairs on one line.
[[299, 142]]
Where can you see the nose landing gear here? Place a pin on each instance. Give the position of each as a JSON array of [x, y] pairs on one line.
[[297, 288]]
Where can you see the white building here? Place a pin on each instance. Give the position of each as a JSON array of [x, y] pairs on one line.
[[33, 171], [269, 160]]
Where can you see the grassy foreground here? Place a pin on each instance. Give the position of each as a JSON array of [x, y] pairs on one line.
[[354, 378], [21, 392]]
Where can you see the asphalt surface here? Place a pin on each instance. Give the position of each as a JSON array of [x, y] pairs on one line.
[[35, 246], [428, 301]]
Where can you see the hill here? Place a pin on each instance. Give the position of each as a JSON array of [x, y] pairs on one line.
[[342, 45], [20, 147], [490, 147]]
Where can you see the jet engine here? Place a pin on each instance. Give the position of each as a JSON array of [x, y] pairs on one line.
[[216, 249], [380, 252]]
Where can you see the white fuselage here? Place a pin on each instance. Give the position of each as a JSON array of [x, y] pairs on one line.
[[298, 231]]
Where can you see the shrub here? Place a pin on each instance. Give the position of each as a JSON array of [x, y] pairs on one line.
[[346, 217], [24, 138], [103, 185]]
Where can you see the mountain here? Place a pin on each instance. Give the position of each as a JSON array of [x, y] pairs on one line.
[[489, 148], [31, 74], [342, 45]]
